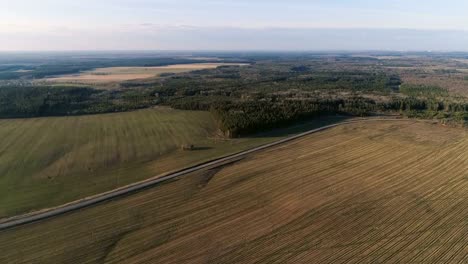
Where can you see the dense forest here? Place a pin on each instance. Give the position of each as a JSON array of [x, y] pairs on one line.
[[244, 100], [35, 101]]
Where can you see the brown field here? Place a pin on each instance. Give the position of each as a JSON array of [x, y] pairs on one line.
[[380, 192], [120, 74], [49, 161]]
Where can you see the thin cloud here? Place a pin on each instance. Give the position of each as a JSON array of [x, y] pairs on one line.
[[223, 24]]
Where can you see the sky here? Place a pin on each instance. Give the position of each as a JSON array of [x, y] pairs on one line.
[[233, 25]]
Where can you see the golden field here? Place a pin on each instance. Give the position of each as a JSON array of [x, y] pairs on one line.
[[120, 74]]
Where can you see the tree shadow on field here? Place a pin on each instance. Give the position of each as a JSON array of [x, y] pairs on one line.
[[301, 127], [201, 148]]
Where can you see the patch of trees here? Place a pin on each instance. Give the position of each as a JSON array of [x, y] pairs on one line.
[[236, 118], [426, 104], [423, 90], [241, 118], [349, 81], [301, 68], [34, 101]]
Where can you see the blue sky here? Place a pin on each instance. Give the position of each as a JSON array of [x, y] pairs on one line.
[[236, 24]]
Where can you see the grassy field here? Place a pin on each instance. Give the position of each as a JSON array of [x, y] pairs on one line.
[[120, 74], [46, 162], [392, 192]]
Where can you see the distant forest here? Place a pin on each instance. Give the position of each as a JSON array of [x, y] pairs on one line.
[[267, 94]]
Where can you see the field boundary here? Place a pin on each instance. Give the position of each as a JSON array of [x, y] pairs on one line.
[[45, 214]]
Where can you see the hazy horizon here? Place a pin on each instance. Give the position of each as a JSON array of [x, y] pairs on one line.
[[296, 25]]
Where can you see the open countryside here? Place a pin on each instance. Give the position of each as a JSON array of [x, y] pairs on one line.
[[73, 157], [50, 161], [234, 132], [368, 192]]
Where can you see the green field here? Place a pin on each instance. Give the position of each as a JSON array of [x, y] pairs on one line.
[[46, 162], [380, 192]]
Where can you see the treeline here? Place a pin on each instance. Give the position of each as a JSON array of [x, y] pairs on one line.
[[427, 104], [35, 101], [423, 90], [241, 118], [237, 118]]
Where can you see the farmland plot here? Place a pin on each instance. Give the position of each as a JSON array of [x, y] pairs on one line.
[[45, 162], [392, 192], [120, 74]]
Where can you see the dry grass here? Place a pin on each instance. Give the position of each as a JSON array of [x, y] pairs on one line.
[[362, 193], [120, 74]]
